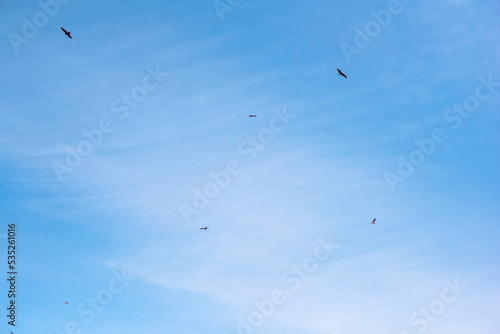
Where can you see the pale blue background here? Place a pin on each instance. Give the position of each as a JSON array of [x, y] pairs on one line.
[[322, 176]]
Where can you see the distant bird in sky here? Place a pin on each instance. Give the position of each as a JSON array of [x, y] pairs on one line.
[[66, 303], [204, 228], [252, 115], [342, 74], [67, 33], [374, 220]]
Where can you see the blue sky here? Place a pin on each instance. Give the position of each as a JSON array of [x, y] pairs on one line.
[[316, 176]]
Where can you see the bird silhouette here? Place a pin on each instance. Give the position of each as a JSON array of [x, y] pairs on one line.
[[67, 33], [66, 303], [252, 115], [374, 220], [204, 228], [342, 74]]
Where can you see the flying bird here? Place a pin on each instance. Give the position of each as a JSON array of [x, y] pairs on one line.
[[342, 74], [66, 303], [67, 33], [374, 220], [204, 228], [252, 115]]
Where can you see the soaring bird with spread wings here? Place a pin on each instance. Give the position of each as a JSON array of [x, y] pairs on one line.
[[252, 115], [342, 74], [67, 33], [204, 228]]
